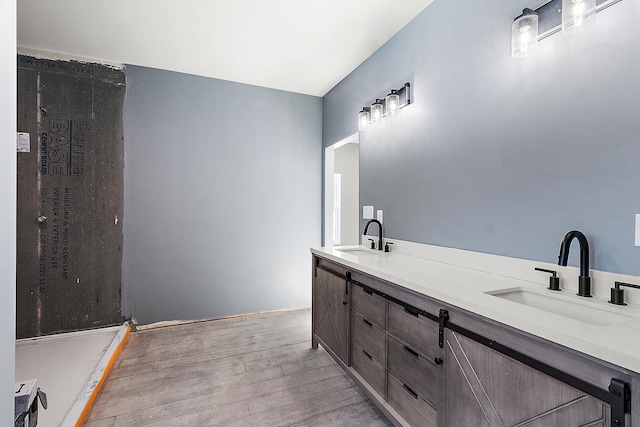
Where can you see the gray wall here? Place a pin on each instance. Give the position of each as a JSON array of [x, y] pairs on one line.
[[503, 155], [222, 197], [8, 84]]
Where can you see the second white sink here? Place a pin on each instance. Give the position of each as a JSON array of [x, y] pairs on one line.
[[562, 305]]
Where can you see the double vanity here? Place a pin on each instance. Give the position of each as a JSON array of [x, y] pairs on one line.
[[444, 338]]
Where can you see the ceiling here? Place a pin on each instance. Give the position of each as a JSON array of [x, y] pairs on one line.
[[294, 45]]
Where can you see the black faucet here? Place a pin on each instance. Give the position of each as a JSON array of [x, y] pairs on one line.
[[366, 227], [584, 281]]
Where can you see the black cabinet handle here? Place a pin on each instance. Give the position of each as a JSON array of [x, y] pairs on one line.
[[411, 311], [410, 391], [438, 361], [411, 351], [367, 354], [367, 322], [345, 302], [368, 291]]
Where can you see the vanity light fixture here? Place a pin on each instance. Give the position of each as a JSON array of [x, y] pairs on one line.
[[381, 108], [570, 16]]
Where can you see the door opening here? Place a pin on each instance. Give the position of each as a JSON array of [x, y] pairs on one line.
[[341, 192]]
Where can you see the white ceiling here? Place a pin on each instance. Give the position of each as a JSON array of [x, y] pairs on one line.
[[295, 45]]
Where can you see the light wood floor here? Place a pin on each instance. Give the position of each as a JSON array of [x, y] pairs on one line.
[[248, 371]]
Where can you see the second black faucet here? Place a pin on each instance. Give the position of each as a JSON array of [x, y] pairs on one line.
[[584, 281]]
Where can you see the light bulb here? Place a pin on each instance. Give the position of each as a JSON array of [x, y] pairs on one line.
[[525, 38], [576, 13]]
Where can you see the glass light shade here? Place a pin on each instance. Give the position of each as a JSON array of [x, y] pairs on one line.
[[576, 14], [377, 111], [364, 118], [392, 102], [524, 34]]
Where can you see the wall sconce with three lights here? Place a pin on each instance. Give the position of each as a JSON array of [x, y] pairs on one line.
[[389, 106], [570, 16]]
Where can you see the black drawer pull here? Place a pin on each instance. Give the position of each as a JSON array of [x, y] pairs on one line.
[[411, 311], [367, 354], [411, 351], [411, 392], [367, 322], [368, 291], [438, 361]]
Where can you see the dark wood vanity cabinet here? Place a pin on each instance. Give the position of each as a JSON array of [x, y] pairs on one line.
[[423, 368]]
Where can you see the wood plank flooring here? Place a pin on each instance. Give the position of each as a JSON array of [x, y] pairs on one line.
[[248, 371]]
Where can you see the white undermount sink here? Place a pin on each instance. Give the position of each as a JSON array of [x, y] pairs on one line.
[[563, 305], [356, 251]]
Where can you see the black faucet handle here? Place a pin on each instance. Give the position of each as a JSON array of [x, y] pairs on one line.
[[617, 294], [552, 272], [386, 246], [373, 243], [554, 280]]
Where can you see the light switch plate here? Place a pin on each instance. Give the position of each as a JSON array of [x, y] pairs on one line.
[[379, 215], [637, 229], [367, 212]]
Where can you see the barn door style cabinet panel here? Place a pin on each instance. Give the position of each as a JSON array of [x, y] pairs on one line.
[[330, 307], [425, 363], [486, 388]]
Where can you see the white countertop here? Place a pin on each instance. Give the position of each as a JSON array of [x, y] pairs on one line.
[[466, 288]]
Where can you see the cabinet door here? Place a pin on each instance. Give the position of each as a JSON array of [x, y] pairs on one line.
[[486, 388], [331, 312]]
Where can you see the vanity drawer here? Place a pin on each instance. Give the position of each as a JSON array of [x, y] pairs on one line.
[[416, 330], [370, 305], [409, 405], [373, 372], [422, 375], [370, 337]]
